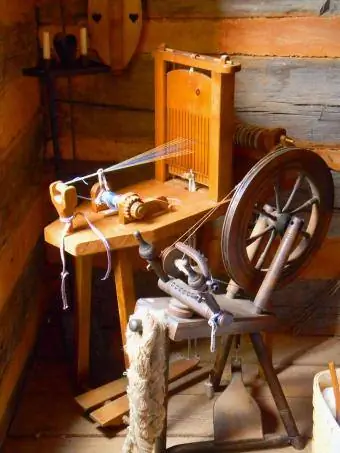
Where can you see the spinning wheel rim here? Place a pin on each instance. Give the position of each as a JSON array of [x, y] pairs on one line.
[[236, 222]]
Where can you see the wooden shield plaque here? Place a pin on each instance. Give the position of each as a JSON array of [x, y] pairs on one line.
[[114, 29]]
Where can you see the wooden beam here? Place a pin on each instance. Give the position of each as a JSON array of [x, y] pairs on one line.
[[292, 36], [75, 11], [289, 36], [235, 8], [19, 245], [19, 103], [16, 11], [18, 361], [269, 91]]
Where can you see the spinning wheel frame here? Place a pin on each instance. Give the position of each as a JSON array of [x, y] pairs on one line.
[[255, 194]]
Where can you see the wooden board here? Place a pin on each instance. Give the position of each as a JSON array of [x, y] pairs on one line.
[[115, 389], [19, 357], [18, 247], [294, 36], [191, 208], [235, 8], [19, 100], [111, 414], [76, 10], [290, 36], [115, 29]]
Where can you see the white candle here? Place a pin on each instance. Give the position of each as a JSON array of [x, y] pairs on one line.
[[46, 46], [83, 41]]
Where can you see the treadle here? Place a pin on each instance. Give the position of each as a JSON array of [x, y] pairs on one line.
[[110, 402], [236, 414]]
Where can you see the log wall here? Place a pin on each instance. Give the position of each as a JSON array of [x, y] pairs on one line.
[[21, 206], [288, 51]]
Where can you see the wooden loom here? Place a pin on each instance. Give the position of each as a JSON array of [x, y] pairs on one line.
[[194, 98]]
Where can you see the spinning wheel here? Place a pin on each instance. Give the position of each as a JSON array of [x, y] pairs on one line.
[[285, 183], [275, 222]]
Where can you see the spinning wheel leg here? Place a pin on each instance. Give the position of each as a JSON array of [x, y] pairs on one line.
[[283, 408], [221, 360], [160, 443]]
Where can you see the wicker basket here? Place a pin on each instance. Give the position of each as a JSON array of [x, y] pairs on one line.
[[326, 431]]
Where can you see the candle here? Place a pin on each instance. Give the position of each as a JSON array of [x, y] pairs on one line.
[[83, 41], [46, 46]]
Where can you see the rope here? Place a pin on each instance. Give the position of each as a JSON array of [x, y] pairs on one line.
[[194, 228], [64, 273], [146, 383]]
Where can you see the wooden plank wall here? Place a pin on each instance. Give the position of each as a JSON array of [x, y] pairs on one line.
[[288, 51], [21, 203], [290, 77]]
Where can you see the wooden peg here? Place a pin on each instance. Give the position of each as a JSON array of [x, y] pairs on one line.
[[64, 199]]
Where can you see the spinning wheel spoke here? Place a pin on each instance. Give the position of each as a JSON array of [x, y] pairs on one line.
[[277, 195], [305, 234], [254, 238], [305, 205], [296, 187], [261, 211], [264, 254]]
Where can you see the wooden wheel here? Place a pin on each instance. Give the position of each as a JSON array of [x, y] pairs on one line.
[[285, 183]]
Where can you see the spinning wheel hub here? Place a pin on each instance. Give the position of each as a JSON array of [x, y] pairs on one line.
[[282, 222]]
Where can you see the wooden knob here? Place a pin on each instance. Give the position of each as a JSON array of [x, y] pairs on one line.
[[64, 199]]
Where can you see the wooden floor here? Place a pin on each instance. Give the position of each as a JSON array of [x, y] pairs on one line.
[[49, 421]]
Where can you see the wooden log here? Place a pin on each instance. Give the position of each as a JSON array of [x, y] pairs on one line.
[[107, 123], [16, 366], [76, 11], [235, 8], [298, 94], [16, 11], [20, 175], [295, 36], [18, 40], [19, 101], [15, 251], [19, 306], [134, 88], [105, 150], [289, 36]]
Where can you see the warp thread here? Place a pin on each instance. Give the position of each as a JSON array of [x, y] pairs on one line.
[[64, 273], [146, 383]]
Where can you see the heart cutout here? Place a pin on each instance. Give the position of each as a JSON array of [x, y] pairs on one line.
[[96, 17], [133, 17]]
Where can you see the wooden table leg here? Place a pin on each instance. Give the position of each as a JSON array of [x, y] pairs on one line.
[[83, 269], [125, 289]]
